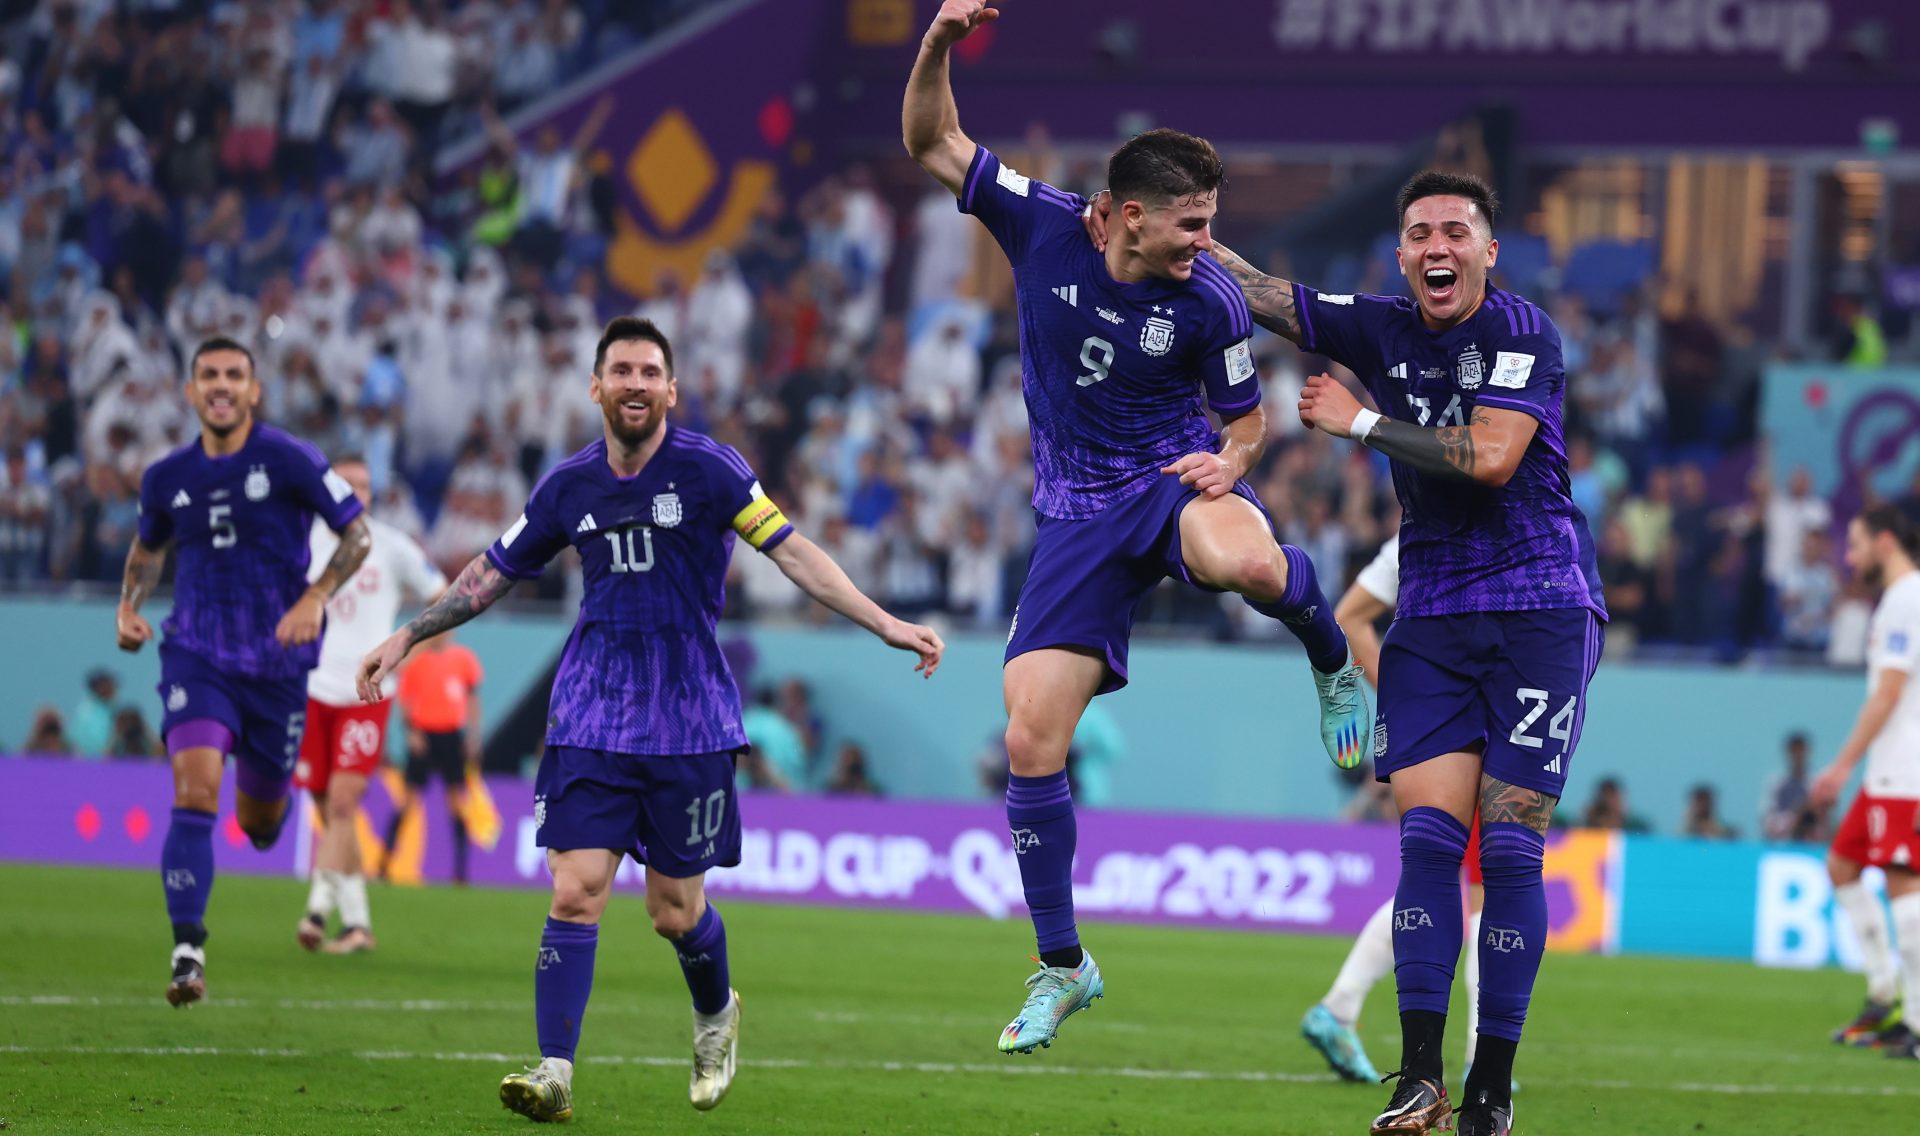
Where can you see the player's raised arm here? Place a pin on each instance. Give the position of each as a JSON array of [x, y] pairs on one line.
[[144, 566], [929, 119], [816, 574], [1486, 450], [479, 585]]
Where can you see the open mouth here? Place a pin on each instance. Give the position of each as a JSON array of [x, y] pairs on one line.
[[1440, 282], [220, 402]]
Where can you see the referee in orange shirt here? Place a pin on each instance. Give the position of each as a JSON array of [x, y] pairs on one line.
[[439, 697]]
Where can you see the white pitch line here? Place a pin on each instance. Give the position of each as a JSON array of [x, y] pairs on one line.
[[1007, 1068]]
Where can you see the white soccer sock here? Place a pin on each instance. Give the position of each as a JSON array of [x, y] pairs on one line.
[[1473, 985], [1370, 960], [323, 895], [1870, 928], [353, 901], [1906, 932]]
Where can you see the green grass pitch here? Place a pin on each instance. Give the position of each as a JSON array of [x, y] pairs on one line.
[[855, 1022]]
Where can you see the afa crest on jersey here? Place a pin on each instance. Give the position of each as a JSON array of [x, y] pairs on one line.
[[257, 486], [1157, 337], [1471, 368], [666, 510]]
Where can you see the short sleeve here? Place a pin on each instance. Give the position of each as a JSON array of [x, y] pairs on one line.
[[523, 550], [418, 575], [1526, 372], [156, 523], [754, 516], [1015, 208], [323, 491], [1226, 362], [1897, 646], [1343, 327], [1381, 577]]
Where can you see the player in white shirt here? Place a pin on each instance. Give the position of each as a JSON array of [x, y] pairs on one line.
[[1879, 829], [345, 738], [1328, 1026]]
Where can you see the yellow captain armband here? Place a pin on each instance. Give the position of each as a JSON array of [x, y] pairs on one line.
[[759, 521]]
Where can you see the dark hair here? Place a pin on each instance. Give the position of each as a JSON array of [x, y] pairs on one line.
[[631, 327], [219, 343], [1890, 519], [349, 457], [1439, 183], [1164, 165]]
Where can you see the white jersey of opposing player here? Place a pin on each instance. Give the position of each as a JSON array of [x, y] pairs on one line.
[[1381, 577], [362, 612], [1893, 643]]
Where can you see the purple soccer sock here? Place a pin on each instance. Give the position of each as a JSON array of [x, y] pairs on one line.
[[703, 959], [1427, 930], [1040, 815], [1305, 612], [562, 981], [1513, 925], [186, 870]]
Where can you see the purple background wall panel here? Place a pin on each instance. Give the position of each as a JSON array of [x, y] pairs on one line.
[[1131, 867]]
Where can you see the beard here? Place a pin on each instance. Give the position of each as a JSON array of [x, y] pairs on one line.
[[1872, 575], [633, 436]]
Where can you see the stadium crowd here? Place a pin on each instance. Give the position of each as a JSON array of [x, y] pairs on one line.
[[278, 188]]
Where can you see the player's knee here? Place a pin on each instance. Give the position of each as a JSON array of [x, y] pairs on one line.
[[340, 809], [1033, 753], [1259, 575], [675, 921], [1511, 859], [191, 794], [576, 901]]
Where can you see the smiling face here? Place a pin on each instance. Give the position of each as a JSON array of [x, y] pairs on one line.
[[1446, 249], [222, 390], [635, 390], [1170, 234]]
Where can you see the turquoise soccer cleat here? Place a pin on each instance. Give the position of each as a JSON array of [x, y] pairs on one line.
[[1339, 1045], [1346, 722], [1054, 993]]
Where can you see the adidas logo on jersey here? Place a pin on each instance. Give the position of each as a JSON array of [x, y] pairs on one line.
[[1553, 766], [1070, 293], [586, 524], [181, 500]]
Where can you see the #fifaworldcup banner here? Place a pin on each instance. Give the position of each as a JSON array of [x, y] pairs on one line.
[[1131, 867]]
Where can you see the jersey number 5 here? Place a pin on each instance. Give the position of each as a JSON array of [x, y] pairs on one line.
[[1096, 355], [220, 520]]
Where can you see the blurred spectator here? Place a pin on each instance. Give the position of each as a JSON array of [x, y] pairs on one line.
[[1628, 589], [132, 737], [1790, 517], [1852, 617], [795, 703], [1703, 816], [850, 777], [1857, 340], [1098, 745], [92, 720], [48, 735], [1786, 808], [1608, 809], [1692, 350], [781, 757], [1808, 592]]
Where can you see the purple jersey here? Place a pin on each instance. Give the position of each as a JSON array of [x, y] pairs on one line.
[[1466, 547], [242, 525], [642, 672], [1114, 373]]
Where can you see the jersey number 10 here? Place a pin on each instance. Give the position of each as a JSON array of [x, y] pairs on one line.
[[626, 556]]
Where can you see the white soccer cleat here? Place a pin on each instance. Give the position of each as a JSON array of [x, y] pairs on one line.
[[189, 982], [716, 1045], [543, 1093], [312, 932]]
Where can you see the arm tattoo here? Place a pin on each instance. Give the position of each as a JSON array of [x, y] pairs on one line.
[[1511, 804], [480, 584], [1445, 452], [1269, 298], [143, 573], [355, 542]]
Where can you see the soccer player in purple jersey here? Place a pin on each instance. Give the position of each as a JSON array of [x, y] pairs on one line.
[[1122, 354], [644, 726], [1484, 672], [239, 503]]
